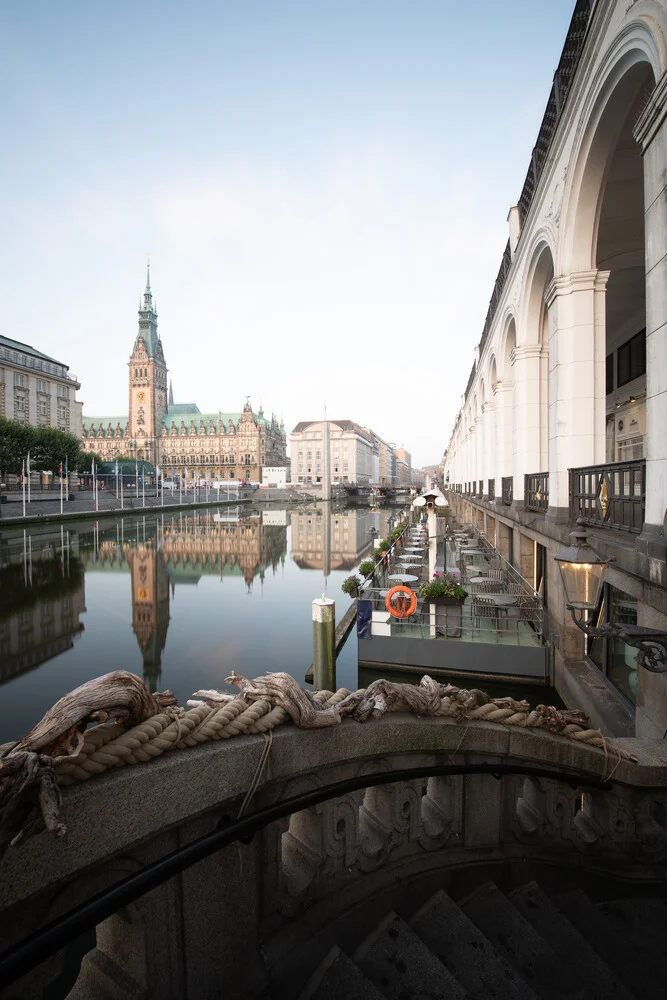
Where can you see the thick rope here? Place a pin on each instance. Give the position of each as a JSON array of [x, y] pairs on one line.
[[69, 752], [107, 746]]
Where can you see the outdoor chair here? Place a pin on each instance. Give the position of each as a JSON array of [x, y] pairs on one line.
[[514, 587], [496, 574], [482, 608], [529, 612]]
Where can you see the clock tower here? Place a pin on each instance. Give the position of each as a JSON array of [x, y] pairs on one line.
[[147, 382]]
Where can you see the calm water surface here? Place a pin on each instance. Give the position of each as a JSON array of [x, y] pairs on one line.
[[180, 599]]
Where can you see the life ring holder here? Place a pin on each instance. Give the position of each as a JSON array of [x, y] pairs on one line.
[[401, 612]]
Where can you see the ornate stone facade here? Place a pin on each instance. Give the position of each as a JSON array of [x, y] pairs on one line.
[[178, 437]]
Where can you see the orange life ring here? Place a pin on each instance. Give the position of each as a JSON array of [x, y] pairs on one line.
[[407, 604]]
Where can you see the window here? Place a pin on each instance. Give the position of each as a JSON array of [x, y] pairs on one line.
[[62, 413], [19, 380], [610, 373], [41, 407], [632, 358], [20, 404], [42, 385], [611, 656], [62, 391]]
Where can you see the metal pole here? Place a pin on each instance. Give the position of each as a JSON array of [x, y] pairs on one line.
[[324, 653], [121, 491], [61, 491]]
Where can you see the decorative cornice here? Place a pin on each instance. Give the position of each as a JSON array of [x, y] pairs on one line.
[[577, 281]]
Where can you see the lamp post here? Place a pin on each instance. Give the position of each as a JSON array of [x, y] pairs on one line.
[[582, 571]]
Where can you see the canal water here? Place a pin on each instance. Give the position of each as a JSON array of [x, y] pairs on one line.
[[180, 599]]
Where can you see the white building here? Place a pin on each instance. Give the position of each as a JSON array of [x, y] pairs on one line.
[[565, 411], [351, 450], [36, 389]]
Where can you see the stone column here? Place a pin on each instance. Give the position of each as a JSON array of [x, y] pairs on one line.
[[577, 400], [651, 133], [527, 406], [504, 431], [489, 442]]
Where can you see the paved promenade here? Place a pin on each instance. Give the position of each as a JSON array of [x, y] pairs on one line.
[[109, 504]]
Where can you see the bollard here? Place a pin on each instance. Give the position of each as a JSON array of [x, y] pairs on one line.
[[324, 653]]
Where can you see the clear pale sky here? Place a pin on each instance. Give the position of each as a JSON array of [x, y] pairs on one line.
[[323, 187]]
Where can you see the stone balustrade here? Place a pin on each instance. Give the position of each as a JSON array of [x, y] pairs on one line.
[[265, 910]]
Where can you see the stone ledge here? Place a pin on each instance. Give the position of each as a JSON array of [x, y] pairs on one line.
[[130, 805]]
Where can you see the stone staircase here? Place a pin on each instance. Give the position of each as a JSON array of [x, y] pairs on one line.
[[520, 946]]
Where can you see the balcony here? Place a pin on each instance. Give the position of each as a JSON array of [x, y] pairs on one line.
[[508, 490], [611, 495], [536, 492]]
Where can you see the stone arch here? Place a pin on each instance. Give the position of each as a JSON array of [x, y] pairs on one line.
[[606, 219], [629, 71], [539, 273]]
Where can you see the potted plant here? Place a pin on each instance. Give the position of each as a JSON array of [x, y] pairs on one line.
[[366, 567], [351, 584], [385, 545], [445, 596]]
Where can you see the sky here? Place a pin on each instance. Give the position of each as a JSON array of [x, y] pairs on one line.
[[322, 186]]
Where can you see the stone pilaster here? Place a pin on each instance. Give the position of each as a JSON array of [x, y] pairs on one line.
[[651, 133], [577, 401]]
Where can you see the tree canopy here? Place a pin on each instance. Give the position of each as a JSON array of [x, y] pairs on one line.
[[48, 447]]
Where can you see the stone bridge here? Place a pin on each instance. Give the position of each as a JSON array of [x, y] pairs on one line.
[[256, 918]]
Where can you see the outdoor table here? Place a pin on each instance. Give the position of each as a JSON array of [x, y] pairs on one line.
[[477, 567], [403, 578], [482, 579], [473, 552]]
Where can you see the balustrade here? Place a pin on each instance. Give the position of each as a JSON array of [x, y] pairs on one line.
[[536, 491], [613, 495], [274, 897]]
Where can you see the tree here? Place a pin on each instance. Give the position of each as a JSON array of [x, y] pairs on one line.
[[85, 461], [52, 447], [16, 440], [47, 446]]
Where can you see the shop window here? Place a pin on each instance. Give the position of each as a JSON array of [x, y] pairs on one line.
[[609, 371], [632, 358], [613, 657]]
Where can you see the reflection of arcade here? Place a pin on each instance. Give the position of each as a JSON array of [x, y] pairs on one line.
[[40, 610], [337, 540], [180, 550]]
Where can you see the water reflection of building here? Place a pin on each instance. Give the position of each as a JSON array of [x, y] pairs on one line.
[[178, 550], [150, 608], [40, 612], [328, 540]]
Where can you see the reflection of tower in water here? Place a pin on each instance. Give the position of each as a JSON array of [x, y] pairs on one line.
[[150, 608]]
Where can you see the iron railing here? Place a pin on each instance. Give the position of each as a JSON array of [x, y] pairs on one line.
[[477, 619], [613, 495], [492, 489], [536, 491], [508, 490]]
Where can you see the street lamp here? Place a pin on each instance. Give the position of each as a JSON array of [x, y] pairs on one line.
[[582, 571]]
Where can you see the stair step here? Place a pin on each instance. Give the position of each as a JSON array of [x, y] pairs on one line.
[[461, 946], [626, 954], [338, 978], [584, 962], [402, 967], [642, 923], [536, 961]]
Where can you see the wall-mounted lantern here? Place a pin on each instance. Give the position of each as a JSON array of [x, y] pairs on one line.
[[582, 571]]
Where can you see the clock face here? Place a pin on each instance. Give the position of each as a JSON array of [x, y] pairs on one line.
[[141, 397]]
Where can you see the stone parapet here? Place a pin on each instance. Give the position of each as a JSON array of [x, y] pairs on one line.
[[254, 911]]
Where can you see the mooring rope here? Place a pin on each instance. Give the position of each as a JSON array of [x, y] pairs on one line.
[[60, 750]]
